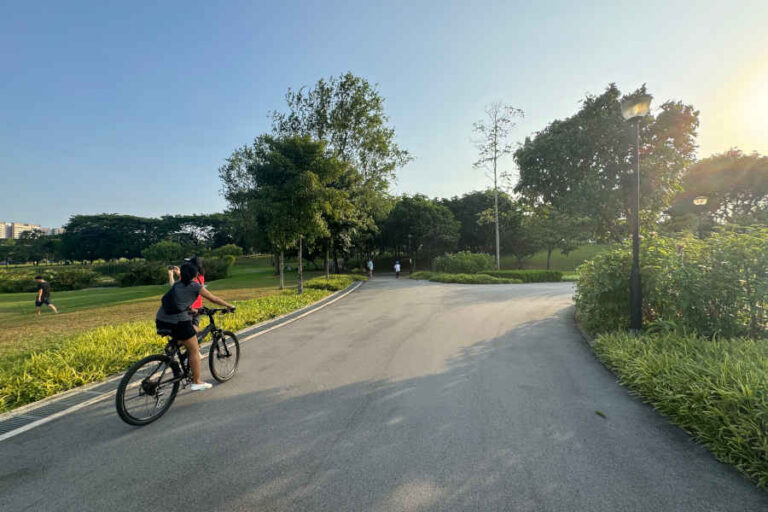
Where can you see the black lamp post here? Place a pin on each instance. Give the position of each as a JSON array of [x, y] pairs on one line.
[[701, 202], [633, 109]]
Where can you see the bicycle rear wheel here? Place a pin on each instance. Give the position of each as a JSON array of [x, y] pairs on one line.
[[224, 356], [147, 390]]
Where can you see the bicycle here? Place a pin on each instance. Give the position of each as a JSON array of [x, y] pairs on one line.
[[151, 384]]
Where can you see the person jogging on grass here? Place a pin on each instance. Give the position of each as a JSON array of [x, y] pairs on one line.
[[43, 295]]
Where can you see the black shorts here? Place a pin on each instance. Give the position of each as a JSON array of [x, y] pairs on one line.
[[44, 300], [180, 331]]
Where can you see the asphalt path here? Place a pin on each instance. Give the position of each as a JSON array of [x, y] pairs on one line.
[[403, 396]]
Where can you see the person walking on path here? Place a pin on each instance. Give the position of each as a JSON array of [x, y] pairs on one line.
[[370, 269], [397, 270], [43, 295]]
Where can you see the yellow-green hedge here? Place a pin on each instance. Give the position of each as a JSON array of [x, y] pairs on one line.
[[98, 353], [715, 389]]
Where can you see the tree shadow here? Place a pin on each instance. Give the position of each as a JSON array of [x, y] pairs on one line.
[[508, 424]]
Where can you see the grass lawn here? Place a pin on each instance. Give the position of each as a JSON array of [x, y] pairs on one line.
[[81, 310], [558, 260]]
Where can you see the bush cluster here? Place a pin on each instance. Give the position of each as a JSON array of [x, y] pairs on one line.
[[143, 272], [218, 268], [717, 390], [227, 250], [97, 353], [529, 276], [714, 287], [60, 279], [463, 262]]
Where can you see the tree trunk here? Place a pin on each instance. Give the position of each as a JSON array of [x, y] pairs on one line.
[[496, 214], [327, 262], [335, 261], [281, 260], [301, 268], [549, 253]]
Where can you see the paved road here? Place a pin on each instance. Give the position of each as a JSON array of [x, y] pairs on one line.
[[404, 396]]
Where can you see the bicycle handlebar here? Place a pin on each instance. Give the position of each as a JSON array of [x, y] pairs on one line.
[[213, 311]]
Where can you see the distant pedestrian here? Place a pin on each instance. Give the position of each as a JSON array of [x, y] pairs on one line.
[[43, 295], [370, 269], [397, 270]]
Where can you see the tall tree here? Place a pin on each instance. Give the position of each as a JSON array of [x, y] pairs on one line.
[[347, 113], [287, 184], [426, 225], [493, 145], [582, 165]]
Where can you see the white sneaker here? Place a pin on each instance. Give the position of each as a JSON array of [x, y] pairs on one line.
[[201, 387]]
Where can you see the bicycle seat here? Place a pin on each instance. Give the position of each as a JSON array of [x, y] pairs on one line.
[[164, 332]]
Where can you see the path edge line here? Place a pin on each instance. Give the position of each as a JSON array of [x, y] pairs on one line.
[[250, 333]]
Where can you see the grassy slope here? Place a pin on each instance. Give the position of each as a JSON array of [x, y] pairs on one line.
[[558, 261], [81, 310]]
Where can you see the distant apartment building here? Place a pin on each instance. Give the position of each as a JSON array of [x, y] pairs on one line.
[[15, 229]]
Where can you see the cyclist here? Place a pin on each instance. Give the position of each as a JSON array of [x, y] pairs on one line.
[[198, 262], [184, 293]]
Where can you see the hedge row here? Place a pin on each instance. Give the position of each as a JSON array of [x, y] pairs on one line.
[[438, 277], [528, 276], [334, 283], [60, 279]]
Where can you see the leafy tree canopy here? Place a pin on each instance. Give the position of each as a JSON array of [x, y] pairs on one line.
[[735, 184], [582, 165]]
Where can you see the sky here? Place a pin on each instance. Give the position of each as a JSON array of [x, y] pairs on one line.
[[131, 107]]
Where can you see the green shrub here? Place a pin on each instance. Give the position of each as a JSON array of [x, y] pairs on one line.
[[421, 274], [334, 283], [74, 279], [717, 390], [98, 353], [227, 250], [529, 276], [471, 279], [463, 263], [144, 272], [112, 268], [165, 252], [715, 287], [60, 279], [218, 268]]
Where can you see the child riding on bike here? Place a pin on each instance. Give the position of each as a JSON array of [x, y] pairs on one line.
[[174, 315]]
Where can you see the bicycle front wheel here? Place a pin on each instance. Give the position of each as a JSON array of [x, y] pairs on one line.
[[224, 356], [147, 390]]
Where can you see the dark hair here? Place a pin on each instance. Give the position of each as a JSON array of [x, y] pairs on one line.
[[188, 273], [38, 277], [198, 262]]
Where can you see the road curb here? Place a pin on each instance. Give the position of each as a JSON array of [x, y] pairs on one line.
[[43, 411]]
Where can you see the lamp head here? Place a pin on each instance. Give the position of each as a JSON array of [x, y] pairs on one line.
[[700, 200], [636, 106]]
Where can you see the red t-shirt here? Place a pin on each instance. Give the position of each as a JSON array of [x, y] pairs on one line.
[[199, 301]]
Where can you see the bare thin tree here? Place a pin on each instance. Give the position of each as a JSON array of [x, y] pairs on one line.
[[493, 144]]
